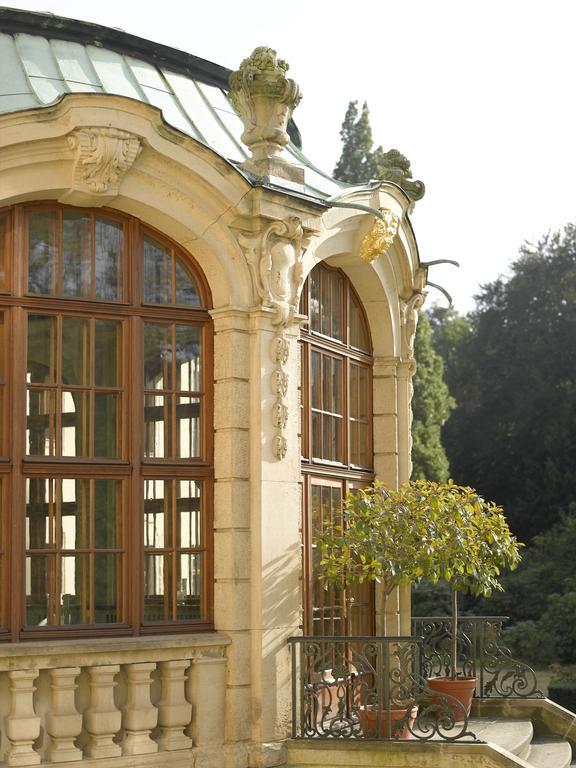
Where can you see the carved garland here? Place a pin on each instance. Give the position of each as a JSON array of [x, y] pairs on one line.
[[275, 260], [103, 157]]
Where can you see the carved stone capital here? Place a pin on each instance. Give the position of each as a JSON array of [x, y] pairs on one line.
[[380, 237], [103, 156], [274, 257], [265, 98]]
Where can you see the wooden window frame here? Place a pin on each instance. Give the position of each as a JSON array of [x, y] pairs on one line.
[[16, 302]]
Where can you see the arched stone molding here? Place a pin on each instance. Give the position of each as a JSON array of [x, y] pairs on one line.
[[101, 150]]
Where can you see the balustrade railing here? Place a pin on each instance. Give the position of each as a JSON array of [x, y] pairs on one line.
[[369, 688], [481, 654], [111, 698]]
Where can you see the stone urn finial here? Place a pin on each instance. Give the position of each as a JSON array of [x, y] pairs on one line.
[[265, 98]]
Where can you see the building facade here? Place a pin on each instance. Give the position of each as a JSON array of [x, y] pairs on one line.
[[205, 344]]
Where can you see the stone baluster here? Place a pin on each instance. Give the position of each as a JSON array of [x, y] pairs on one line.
[[207, 694], [22, 725], [102, 719], [174, 712], [63, 721], [139, 716]]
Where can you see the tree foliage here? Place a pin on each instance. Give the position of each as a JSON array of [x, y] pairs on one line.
[[431, 406], [513, 373]]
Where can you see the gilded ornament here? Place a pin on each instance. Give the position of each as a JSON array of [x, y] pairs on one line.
[[380, 237]]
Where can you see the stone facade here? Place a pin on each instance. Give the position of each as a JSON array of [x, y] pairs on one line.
[[222, 699]]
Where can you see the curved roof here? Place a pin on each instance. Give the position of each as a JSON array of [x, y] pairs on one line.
[[44, 57]]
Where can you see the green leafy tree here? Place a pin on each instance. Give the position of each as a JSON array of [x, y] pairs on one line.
[[431, 406]]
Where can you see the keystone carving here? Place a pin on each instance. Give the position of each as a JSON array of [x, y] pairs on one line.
[[275, 260], [103, 155], [265, 98], [380, 237]]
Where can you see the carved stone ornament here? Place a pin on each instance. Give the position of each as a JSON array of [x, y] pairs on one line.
[[410, 310], [103, 157], [275, 260], [380, 237], [265, 98], [279, 353]]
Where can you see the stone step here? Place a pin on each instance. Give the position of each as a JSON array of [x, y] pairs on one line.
[[514, 736], [550, 753]]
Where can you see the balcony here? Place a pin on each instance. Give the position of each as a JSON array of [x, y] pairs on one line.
[[113, 698]]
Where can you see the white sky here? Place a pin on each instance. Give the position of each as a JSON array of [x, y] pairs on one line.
[[478, 95]]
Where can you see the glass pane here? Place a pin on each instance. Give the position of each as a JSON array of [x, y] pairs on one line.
[[156, 513], [157, 273], [188, 356], [314, 310], [358, 332], [188, 525], [108, 241], [74, 514], [188, 586], [363, 393], [75, 424], [107, 353], [40, 586], [187, 427], [76, 253], [75, 351], [186, 292], [42, 335], [157, 431], [40, 513], [40, 422], [42, 251], [106, 424], [325, 304], [107, 513], [317, 435], [157, 587], [157, 356], [74, 590], [354, 376], [364, 459], [316, 380], [3, 252], [107, 589], [336, 306]]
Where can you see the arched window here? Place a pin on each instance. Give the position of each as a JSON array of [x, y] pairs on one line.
[[106, 432], [336, 436]]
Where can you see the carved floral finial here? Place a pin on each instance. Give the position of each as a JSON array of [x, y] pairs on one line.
[[265, 98], [380, 237]]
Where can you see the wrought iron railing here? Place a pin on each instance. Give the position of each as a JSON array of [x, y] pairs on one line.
[[481, 654], [369, 688]]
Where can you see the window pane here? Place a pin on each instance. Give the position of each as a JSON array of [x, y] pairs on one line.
[[42, 251], [74, 514], [107, 514], [107, 589], [76, 351], [74, 590], [157, 587], [157, 426], [106, 424], [40, 513], [316, 380], [157, 356], [186, 292], [314, 310], [157, 273], [76, 253], [107, 335], [108, 242], [156, 513], [41, 422], [75, 424], [188, 357], [188, 527], [40, 591], [187, 427], [188, 586], [42, 336]]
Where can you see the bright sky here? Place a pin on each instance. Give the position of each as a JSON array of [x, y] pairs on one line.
[[478, 95]]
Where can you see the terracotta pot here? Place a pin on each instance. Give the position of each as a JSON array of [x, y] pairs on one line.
[[368, 715], [460, 688]]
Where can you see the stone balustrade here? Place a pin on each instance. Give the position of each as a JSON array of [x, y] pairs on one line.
[[61, 702]]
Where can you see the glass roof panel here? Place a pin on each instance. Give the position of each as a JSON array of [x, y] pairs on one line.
[[15, 89], [113, 73], [41, 67], [76, 67]]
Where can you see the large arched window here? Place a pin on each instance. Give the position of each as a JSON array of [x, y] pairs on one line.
[[106, 430], [336, 437]]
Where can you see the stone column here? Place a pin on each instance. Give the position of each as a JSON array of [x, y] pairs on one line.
[[22, 725], [63, 721], [174, 712], [139, 716], [102, 719]]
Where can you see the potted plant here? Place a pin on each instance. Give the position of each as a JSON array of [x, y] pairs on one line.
[[422, 530]]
